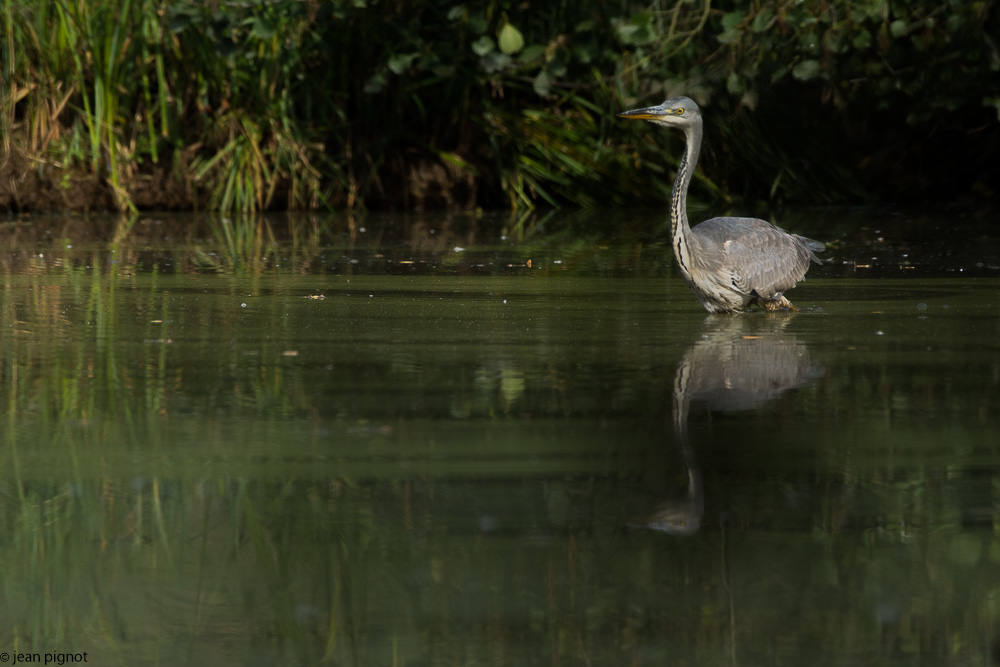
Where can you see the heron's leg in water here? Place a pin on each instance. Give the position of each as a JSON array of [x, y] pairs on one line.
[[778, 304]]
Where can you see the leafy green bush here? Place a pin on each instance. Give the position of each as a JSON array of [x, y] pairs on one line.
[[304, 104]]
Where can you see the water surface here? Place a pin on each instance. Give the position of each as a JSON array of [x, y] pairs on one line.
[[416, 441]]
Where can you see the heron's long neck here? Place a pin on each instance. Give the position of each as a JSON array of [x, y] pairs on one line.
[[680, 230]]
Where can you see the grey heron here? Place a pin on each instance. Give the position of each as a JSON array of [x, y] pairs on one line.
[[730, 264]]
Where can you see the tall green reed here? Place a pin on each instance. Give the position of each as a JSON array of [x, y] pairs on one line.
[[97, 36]]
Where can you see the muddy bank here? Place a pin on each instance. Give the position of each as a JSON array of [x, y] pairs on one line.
[[35, 184], [29, 183]]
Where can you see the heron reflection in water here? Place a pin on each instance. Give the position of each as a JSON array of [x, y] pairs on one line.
[[738, 364], [730, 264]]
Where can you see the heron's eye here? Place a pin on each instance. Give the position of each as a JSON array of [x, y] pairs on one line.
[[679, 111]]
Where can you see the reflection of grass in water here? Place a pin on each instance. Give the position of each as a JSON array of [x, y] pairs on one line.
[[166, 567], [120, 543], [148, 511], [247, 242], [142, 566]]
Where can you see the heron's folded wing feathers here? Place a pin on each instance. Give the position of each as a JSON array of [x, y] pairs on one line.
[[758, 258]]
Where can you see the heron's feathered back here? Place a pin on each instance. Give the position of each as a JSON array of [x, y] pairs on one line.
[[759, 259]]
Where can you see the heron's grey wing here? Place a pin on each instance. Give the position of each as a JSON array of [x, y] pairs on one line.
[[758, 258], [813, 245]]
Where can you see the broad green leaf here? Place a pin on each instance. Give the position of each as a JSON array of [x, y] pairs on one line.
[[510, 38], [727, 36], [585, 53], [533, 52], [542, 84], [642, 19], [734, 84], [898, 28], [833, 41], [495, 61], [400, 62], [630, 33], [761, 20], [483, 45], [731, 20], [262, 28], [645, 35], [806, 70]]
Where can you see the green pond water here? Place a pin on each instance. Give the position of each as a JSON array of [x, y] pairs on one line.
[[415, 441]]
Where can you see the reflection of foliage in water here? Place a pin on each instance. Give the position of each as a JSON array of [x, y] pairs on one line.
[[431, 472]]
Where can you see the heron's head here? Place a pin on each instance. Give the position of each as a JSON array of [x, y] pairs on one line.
[[679, 112]]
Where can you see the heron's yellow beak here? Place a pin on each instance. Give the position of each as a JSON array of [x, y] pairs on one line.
[[648, 113]]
